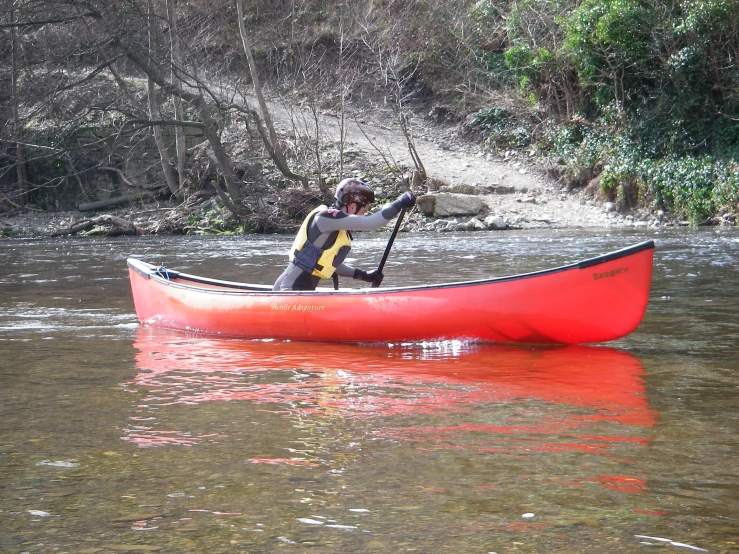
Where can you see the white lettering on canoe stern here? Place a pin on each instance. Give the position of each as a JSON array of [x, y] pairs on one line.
[[611, 273], [298, 307]]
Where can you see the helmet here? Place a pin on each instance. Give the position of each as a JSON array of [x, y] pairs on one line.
[[354, 190]]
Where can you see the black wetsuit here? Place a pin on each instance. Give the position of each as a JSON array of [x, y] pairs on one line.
[[322, 232]]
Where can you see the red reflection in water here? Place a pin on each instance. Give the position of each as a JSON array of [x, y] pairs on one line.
[[146, 437], [277, 461], [560, 399], [621, 483], [657, 513], [179, 369]]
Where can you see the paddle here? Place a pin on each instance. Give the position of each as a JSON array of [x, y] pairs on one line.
[[390, 243]]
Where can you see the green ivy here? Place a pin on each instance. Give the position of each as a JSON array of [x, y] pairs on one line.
[[692, 186], [501, 128]]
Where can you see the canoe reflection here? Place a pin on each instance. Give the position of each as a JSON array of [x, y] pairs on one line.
[[581, 388]]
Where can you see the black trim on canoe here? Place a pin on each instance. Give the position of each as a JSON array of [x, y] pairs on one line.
[[181, 279], [150, 271], [617, 254]]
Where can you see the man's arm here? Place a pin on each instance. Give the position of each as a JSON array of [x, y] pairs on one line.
[[345, 270], [346, 222]]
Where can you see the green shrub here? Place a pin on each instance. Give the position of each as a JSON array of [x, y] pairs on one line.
[[501, 128], [726, 188], [694, 187], [612, 45], [684, 185]]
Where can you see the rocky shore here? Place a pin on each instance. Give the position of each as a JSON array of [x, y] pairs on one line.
[[469, 189], [497, 212]]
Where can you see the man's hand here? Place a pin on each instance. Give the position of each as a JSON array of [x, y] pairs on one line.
[[407, 199], [375, 277]]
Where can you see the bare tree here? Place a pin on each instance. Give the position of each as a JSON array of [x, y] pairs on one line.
[[20, 162], [154, 104], [269, 137], [176, 57], [398, 80]]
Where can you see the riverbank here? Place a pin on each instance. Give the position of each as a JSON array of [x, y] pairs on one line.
[[513, 186]]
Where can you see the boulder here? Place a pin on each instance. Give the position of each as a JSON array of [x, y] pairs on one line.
[[446, 204], [475, 224], [495, 222]]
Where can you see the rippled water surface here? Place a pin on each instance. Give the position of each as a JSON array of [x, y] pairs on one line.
[[121, 438]]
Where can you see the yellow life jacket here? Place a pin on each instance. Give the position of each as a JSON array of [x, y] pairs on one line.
[[314, 260]]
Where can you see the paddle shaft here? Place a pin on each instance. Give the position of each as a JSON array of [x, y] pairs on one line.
[[390, 242]]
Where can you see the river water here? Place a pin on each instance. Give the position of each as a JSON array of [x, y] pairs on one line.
[[117, 438]]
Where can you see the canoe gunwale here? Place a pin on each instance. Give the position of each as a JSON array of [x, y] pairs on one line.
[[184, 280]]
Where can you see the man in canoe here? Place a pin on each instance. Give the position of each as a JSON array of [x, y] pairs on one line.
[[324, 239]]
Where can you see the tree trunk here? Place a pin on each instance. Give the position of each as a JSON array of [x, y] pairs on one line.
[[232, 199], [257, 85], [267, 131], [176, 57], [20, 160], [154, 107]]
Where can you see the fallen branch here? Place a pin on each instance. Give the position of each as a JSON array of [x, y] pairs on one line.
[[118, 226]]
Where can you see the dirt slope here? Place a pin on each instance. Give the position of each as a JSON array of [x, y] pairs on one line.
[[531, 200]]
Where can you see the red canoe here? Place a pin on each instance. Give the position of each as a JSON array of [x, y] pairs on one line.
[[591, 301]]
